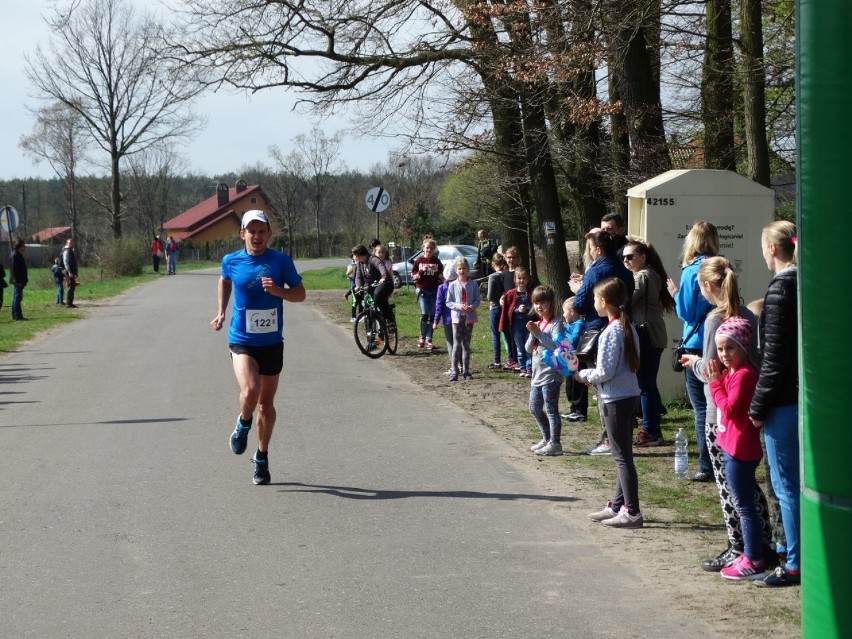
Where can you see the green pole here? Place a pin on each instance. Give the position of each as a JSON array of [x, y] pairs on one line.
[[825, 194]]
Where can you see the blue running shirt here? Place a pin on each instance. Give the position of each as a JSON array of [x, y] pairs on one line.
[[257, 318]]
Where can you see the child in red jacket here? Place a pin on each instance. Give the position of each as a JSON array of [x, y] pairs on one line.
[[739, 440]]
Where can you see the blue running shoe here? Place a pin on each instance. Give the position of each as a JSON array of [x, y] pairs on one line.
[[239, 438], [261, 471]]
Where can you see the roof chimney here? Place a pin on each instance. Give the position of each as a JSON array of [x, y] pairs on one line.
[[241, 186], [222, 194]]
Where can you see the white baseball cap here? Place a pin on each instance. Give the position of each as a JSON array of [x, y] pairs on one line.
[[254, 215]]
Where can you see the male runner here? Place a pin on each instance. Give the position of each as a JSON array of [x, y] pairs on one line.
[[261, 279]]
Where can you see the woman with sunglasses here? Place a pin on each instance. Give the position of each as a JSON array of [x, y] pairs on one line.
[[651, 299]]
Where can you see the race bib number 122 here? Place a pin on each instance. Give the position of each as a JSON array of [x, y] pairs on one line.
[[262, 321]]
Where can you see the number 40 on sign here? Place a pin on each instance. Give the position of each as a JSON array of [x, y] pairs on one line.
[[378, 199]]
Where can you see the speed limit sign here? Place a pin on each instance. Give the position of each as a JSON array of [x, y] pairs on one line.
[[378, 199], [8, 219]]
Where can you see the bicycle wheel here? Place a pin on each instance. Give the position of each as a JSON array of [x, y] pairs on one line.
[[370, 334], [392, 337]]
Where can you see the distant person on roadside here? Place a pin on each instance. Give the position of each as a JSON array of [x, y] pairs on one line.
[[59, 280], [546, 381], [19, 280], [494, 293], [691, 306], [514, 315], [171, 255], [356, 295], [485, 252], [613, 224], [157, 253], [512, 256], [443, 315], [382, 253], [574, 390], [775, 407], [462, 300], [427, 273], [651, 299], [69, 261], [261, 279], [614, 377]]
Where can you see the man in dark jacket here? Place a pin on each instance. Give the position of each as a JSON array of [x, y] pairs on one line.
[[69, 262], [605, 265], [19, 279]]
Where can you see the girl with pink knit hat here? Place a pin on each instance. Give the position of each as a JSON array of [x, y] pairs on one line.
[[738, 439]]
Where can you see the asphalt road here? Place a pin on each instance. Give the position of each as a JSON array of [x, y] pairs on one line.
[[123, 513]]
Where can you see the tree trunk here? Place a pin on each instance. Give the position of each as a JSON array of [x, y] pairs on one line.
[[619, 149], [717, 88], [115, 195], [581, 142], [634, 75], [545, 193], [754, 91]]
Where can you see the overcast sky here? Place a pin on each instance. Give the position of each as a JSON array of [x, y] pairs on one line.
[[239, 128]]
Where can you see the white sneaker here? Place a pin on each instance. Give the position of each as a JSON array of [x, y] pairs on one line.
[[551, 449], [602, 515], [625, 520], [351, 320], [601, 449], [538, 445]]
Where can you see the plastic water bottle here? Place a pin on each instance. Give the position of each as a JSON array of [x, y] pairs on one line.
[[681, 460]]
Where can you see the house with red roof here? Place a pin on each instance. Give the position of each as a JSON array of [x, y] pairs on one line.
[[218, 217], [52, 235]]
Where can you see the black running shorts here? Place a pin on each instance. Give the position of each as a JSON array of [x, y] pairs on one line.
[[270, 359]]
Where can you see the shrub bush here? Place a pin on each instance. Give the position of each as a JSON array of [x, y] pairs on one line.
[[124, 256]]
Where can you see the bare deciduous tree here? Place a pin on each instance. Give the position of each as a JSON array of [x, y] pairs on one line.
[[59, 137], [320, 155], [106, 64]]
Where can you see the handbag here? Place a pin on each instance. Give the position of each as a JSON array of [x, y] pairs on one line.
[[644, 337], [587, 345], [679, 350], [642, 330]]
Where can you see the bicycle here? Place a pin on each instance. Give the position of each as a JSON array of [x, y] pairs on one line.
[[373, 334]]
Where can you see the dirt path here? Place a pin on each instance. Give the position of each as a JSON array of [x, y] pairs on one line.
[[666, 552]]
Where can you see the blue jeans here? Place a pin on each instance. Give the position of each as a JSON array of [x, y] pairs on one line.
[[17, 298], [172, 262], [519, 336], [649, 396], [426, 301], [494, 323], [740, 477], [544, 407], [60, 291], [781, 432], [695, 390]]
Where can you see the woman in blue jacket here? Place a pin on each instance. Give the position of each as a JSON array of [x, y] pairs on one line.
[[702, 241]]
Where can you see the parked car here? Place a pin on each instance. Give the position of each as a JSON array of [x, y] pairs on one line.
[[447, 253]]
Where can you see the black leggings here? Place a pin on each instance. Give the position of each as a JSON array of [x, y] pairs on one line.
[[382, 297]]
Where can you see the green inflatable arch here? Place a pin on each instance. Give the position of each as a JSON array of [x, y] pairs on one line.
[[824, 201]]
